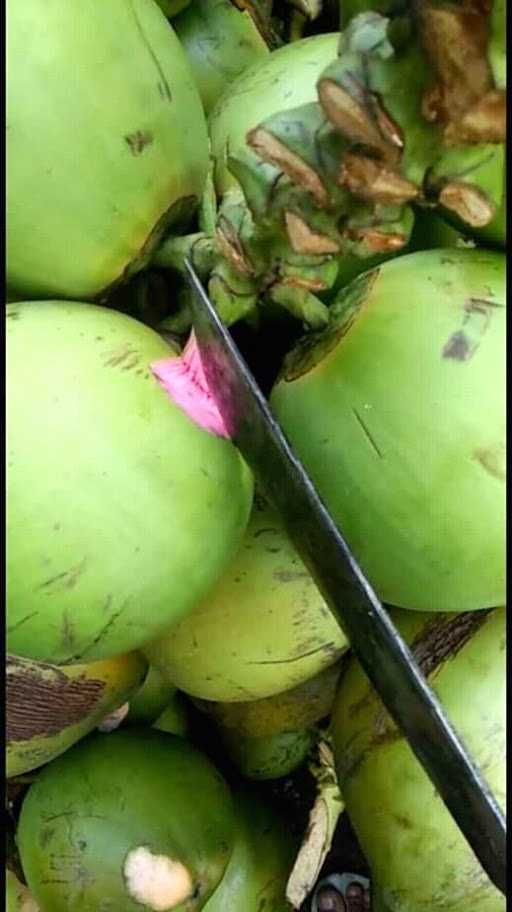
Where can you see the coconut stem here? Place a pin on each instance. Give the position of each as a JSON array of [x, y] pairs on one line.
[[199, 248], [385, 134], [323, 819]]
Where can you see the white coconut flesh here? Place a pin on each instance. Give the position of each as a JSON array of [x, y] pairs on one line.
[[157, 882]]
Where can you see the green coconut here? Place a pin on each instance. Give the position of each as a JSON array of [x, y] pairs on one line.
[[256, 875], [220, 41], [136, 818], [262, 629], [17, 896], [121, 511], [175, 717], [49, 708], [269, 738], [398, 412], [286, 78], [106, 141], [419, 859], [270, 756], [151, 698]]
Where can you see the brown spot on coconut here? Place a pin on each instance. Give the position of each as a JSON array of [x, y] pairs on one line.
[[304, 240], [268, 148], [50, 708], [351, 118], [467, 202], [371, 180]]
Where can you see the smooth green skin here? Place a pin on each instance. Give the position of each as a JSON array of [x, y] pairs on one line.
[[220, 41], [106, 797], [263, 856], [405, 444], [44, 694], [271, 756], [269, 738], [17, 897], [287, 78], [81, 210], [121, 512], [151, 698], [264, 628], [300, 707], [419, 859]]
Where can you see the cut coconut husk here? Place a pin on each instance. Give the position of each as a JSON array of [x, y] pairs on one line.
[[49, 708]]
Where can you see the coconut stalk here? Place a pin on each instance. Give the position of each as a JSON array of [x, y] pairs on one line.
[[323, 819], [320, 192], [417, 105], [268, 243]]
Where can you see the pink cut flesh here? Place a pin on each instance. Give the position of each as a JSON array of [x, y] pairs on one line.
[[184, 381]]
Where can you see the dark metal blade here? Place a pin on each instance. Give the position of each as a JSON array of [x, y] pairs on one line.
[[377, 644]]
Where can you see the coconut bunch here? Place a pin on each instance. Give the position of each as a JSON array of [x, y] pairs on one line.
[[410, 116], [171, 663], [412, 112]]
